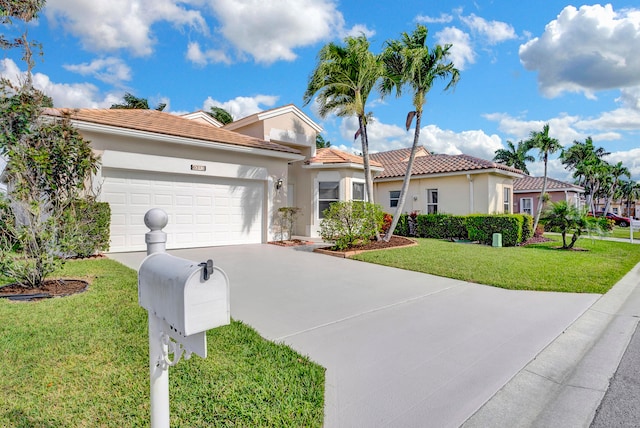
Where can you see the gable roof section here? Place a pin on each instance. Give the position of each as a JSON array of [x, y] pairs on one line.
[[274, 112], [157, 122], [443, 164], [399, 155], [334, 157], [202, 117], [534, 184]]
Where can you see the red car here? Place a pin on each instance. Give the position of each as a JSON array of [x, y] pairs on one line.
[[619, 220]]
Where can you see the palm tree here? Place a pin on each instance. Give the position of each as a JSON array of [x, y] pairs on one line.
[[546, 146], [630, 191], [321, 143], [130, 101], [343, 79], [221, 115], [410, 62], [516, 157], [567, 218], [615, 171], [595, 173], [578, 153]]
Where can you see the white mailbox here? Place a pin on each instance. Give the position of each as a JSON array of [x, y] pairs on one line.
[[190, 297]]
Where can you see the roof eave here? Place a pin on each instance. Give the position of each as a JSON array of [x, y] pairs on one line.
[[453, 173]]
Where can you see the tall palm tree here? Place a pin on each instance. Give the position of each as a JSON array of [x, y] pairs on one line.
[[578, 153], [629, 190], [130, 101], [595, 172], [342, 80], [410, 62], [616, 172], [546, 145], [515, 156]]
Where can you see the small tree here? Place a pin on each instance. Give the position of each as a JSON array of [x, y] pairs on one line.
[[350, 223], [567, 219], [287, 220]]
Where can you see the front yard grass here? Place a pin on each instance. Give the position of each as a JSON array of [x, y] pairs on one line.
[[82, 361], [534, 267], [623, 233]]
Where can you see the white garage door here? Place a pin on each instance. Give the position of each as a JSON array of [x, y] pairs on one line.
[[203, 211]]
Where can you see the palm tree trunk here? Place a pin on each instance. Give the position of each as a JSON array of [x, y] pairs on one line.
[[368, 181], [541, 197], [407, 178]]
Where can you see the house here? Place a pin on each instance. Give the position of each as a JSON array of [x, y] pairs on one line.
[[223, 185], [452, 184], [527, 191]]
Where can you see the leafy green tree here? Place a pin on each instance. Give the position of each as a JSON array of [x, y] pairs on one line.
[[515, 156], [546, 145], [410, 62], [221, 115], [24, 10], [351, 223], [321, 143], [130, 101], [629, 191], [588, 166], [343, 79], [567, 219]]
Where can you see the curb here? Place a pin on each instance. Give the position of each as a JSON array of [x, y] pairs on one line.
[[565, 383]]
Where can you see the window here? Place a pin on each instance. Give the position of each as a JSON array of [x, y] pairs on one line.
[[526, 206], [432, 201], [507, 200], [357, 191], [394, 197], [328, 192]]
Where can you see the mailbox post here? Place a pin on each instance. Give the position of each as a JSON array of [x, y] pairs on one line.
[[184, 300]]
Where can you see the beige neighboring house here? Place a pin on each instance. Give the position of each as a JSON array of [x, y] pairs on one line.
[[451, 184], [527, 190], [223, 185]]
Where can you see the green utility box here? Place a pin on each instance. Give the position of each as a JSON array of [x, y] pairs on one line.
[[497, 240]]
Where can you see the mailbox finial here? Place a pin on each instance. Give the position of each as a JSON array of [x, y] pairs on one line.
[[156, 219]]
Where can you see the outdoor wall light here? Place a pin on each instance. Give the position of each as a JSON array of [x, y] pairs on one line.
[[279, 184], [415, 198]]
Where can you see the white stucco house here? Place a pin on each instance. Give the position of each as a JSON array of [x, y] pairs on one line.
[[223, 185]]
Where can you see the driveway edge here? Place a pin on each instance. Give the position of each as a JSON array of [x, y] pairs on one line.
[[565, 383]]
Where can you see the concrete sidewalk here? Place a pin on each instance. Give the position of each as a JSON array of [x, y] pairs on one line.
[[401, 348]]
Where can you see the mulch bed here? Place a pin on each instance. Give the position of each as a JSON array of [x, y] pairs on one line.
[[290, 243], [394, 242], [50, 288]]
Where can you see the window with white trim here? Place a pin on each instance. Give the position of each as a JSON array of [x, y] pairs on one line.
[[357, 191], [432, 201], [328, 193], [394, 197], [506, 192], [526, 206]]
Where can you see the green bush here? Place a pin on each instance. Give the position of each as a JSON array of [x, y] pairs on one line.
[[441, 226], [482, 227], [85, 228], [349, 223], [527, 227], [7, 240], [402, 228]]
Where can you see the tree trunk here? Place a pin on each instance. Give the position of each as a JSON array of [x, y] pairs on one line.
[[541, 197], [407, 178], [368, 181]]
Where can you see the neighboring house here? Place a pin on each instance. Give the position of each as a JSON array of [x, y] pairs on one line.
[[527, 190], [223, 185], [452, 184]]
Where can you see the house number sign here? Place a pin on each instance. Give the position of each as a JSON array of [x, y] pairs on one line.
[[198, 167]]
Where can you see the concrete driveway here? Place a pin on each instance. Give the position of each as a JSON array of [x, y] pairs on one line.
[[401, 348]]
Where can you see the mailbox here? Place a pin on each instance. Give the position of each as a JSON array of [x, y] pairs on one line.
[[190, 297]]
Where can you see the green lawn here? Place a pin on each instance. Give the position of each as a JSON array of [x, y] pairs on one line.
[[535, 267], [82, 361], [623, 232]]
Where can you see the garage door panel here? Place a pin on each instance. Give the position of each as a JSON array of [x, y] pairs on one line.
[[202, 211]]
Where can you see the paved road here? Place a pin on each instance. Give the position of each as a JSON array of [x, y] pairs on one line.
[[401, 348]]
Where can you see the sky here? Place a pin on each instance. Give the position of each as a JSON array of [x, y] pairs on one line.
[[522, 64]]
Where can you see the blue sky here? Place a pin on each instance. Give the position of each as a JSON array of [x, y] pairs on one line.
[[523, 64]]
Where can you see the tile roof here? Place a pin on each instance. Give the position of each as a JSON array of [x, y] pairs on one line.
[[441, 163], [167, 124], [529, 183], [399, 155], [330, 155]]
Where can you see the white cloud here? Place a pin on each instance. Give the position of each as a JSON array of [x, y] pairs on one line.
[[75, 95], [630, 159], [240, 107], [109, 70], [270, 31], [444, 18], [586, 50], [494, 31], [461, 52], [196, 55], [120, 24], [358, 30]]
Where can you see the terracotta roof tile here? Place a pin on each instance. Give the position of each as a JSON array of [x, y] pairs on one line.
[[331, 155], [399, 155], [441, 163], [167, 124], [529, 183]]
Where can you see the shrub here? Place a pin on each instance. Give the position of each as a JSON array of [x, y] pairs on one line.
[[287, 220], [482, 227], [387, 219], [527, 227], [349, 223], [85, 228], [402, 228], [441, 226]]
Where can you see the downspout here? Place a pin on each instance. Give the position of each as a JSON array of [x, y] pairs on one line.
[[470, 193]]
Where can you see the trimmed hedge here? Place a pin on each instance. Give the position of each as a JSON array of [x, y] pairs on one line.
[[515, 228]]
